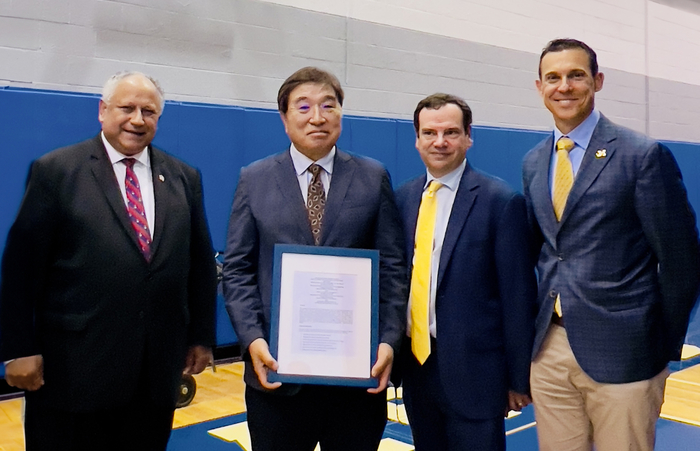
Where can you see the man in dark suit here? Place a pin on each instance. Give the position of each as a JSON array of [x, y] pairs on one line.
[[108, 283], [618, 266], [269, 208], [475, 285]]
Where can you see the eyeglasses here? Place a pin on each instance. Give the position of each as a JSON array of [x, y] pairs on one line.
[[324, 108]]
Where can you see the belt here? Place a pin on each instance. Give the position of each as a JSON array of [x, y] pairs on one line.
[[558, 320]]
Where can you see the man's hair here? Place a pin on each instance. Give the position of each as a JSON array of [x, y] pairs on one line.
[[307, 75], [111, 85], [437, 101], [559, 45]]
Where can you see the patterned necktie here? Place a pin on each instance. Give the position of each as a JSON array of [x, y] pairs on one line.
[[420, 276], [563, 176], [316, 202], [134, 207]]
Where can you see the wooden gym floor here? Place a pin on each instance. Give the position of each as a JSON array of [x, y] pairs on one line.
[[220, 395]]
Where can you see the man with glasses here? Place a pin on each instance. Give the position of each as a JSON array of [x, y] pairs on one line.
[[311, 194]]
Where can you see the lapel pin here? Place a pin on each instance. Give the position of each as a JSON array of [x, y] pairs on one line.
[[162, 179], [602, 153]]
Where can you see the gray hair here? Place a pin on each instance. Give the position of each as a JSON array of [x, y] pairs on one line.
[[111, 85]]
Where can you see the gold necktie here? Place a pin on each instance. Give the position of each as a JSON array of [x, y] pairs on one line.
[[563, 176], [420, 277], [563, 181]]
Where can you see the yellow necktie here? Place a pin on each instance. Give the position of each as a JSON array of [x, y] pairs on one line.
[[420, 278], [563, 181], [563, 176]]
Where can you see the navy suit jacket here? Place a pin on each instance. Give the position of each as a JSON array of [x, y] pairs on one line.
[[624, 256], [268, 208], [485, 292], [77, 289]]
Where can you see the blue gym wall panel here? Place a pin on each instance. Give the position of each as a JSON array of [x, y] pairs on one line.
[[210, 139], [408, 162], [500, 152], [31, 124], [688, 158], [220, 139]]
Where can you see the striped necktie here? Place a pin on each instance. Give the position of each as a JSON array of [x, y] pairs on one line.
[[134, 207]]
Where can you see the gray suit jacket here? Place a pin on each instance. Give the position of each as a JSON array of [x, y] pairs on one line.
[[624, 256], [268, 208]]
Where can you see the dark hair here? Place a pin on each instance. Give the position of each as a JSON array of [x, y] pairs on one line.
[[558, 45], [437, 101], [307, 75]]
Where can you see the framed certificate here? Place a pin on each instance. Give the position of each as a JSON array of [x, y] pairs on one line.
[[324, 315]]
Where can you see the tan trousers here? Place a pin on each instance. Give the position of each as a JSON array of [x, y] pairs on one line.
[[573, 411]]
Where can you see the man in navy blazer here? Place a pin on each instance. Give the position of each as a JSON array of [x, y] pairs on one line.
[[99, 325], [482, 292], [618, 270], [270, 207]]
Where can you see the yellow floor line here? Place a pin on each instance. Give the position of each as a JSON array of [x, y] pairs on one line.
[[689, 351]]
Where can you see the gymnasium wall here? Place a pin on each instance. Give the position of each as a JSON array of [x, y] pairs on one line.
[[387, 53], [220, 139], [221, 63]]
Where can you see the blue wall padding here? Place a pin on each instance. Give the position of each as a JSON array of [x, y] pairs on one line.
[[220, 139], [688, 157], [501, 151]]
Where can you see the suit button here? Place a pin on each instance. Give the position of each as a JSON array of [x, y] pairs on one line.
[[560, 257], [552, 294], [141, 314]]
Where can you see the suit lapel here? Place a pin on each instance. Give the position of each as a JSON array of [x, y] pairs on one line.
[[288, 186], [103, 172], [540, 190], [410, 217], [343, 170], [464, 200], [591, 165], [160, 176]]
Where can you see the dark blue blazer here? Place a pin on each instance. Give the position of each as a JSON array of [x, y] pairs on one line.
[[485, 292], [268, 208], [76, 288], [624, 255]]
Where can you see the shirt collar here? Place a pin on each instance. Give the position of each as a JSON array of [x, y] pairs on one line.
[[115, 156], [450, 180], [302, 162], [581, 135]]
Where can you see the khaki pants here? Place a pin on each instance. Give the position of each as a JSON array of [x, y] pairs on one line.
[[573, 411]]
